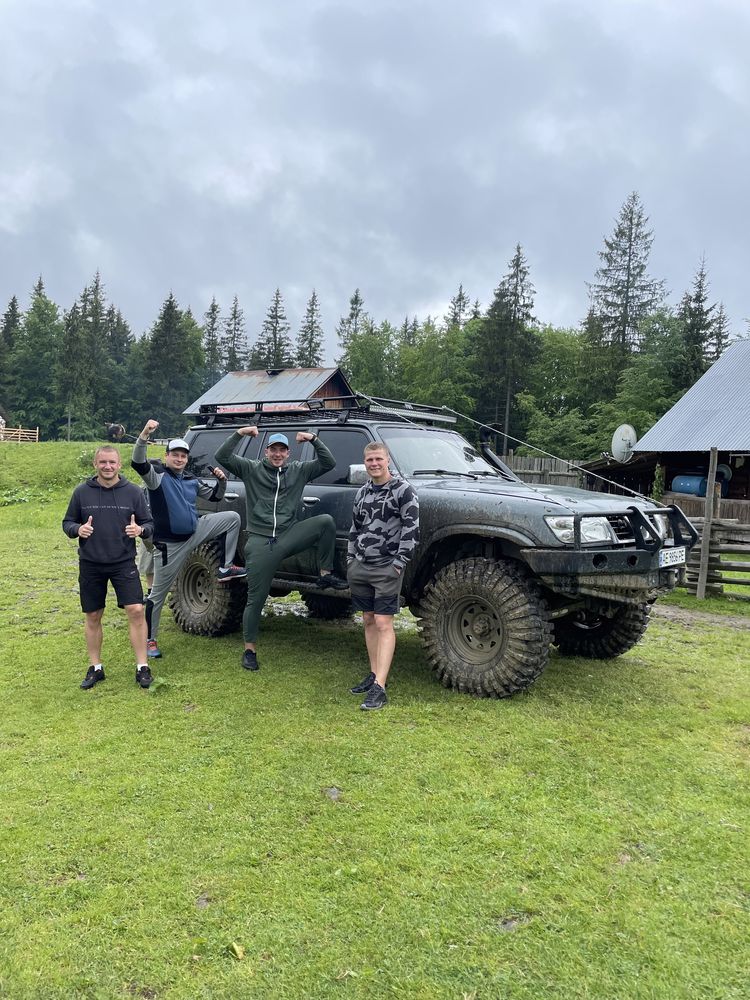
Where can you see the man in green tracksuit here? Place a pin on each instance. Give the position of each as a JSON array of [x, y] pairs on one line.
[[273, 491]]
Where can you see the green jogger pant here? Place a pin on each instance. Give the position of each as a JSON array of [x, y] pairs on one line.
[[263, 556]]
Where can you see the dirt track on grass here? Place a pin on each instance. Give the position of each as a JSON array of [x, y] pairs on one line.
[[683, 616]]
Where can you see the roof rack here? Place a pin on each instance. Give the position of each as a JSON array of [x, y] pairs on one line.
[[419, 412], [320, 410]]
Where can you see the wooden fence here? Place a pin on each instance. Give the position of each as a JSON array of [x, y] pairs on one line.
[[706, 570], [694, 507], [554, 471], [726, 538], [20, 434]]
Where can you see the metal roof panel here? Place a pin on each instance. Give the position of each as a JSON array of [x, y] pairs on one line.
[[713, 413], [288, 384]]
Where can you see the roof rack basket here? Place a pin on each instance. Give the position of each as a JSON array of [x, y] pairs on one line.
[[336, 409]]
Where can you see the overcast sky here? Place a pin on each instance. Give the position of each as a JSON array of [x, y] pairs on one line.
[[399, 147]]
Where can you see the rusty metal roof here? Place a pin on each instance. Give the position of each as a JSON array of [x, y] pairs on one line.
[[714, 413], [286, 384]]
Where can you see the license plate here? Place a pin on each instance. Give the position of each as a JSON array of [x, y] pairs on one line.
[[672, 557]]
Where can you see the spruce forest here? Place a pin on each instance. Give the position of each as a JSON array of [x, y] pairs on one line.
[[634, 354]]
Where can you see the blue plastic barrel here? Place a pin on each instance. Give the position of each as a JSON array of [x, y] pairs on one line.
[[696, 485]]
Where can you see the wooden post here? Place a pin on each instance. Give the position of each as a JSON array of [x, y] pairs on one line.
[[708, 518]]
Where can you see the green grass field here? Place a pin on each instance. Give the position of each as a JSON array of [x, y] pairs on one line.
[[232, 835]]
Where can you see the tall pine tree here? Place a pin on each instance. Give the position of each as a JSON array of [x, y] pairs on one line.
[[351, 325], [126, 381], [173, 368], [33, 363], [273, 348], [696, 323], [623, 293], [9, 331], [211, 331], [505, 344], [720, 336], [234, 340], [459, 309], [74, 377], [309, 348]]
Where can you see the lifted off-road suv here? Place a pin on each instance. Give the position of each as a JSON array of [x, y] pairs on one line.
[[503, 569]]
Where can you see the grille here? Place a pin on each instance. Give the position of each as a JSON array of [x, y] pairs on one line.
[[620, 524]]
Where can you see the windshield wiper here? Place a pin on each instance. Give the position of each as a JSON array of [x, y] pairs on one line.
[[443, 472]]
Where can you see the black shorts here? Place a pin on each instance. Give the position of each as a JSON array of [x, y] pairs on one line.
[[94, 577], [375, 588]]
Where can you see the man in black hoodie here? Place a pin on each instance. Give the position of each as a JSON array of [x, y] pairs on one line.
[[107, 513]]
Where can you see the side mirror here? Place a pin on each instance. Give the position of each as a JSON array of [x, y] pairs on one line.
[[357, 475]]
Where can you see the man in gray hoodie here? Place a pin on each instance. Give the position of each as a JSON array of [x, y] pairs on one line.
[[106, 514], [382, 540]]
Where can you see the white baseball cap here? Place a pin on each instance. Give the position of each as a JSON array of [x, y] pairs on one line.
[[178, 443]]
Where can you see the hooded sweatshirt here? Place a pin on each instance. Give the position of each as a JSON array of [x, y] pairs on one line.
[[273, 495], [385, 524], [110, 509]]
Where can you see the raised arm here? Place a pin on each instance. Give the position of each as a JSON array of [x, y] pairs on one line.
[[226, 456], [324, 460], [140, 462]]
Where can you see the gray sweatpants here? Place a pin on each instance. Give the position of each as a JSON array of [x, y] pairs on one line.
[[169, 557]]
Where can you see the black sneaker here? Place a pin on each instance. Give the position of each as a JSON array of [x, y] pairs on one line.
[[93, 676], [250, 660], [143, 676], [376, 698], [364, 685], [331, 582], [231, 573]]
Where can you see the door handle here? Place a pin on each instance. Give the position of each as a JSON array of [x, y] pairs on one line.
[[309, 501]]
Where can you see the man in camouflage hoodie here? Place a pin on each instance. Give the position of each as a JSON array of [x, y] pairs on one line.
[[382, 539]]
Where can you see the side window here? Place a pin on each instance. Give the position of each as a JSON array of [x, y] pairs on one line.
[[348, 449]]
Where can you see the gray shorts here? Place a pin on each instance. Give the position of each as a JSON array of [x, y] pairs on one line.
[[146, 558], [375, 588]]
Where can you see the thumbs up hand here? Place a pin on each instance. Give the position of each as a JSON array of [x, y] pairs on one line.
[[133, 530], [87, 529]]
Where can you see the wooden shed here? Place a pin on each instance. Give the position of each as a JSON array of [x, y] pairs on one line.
[[263, 389], [713, 413]]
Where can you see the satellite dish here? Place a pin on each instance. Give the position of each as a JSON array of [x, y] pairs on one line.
[[623, 442]]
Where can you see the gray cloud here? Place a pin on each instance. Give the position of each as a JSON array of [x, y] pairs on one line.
[[400, 149]]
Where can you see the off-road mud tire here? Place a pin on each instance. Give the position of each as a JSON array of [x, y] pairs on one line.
[[200, 604], [327, 609], [485, 627], [590, 633]]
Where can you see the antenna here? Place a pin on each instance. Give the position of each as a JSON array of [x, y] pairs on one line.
[[623, 442]]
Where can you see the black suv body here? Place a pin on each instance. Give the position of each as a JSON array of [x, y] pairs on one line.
[[503, 570]]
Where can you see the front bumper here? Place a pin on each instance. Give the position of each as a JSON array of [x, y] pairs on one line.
[[629, 573]]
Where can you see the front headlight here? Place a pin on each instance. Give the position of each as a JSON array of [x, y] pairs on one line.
[[594, 530], [662, 525]]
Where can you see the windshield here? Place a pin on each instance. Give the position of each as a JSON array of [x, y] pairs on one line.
[[416, 449]]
